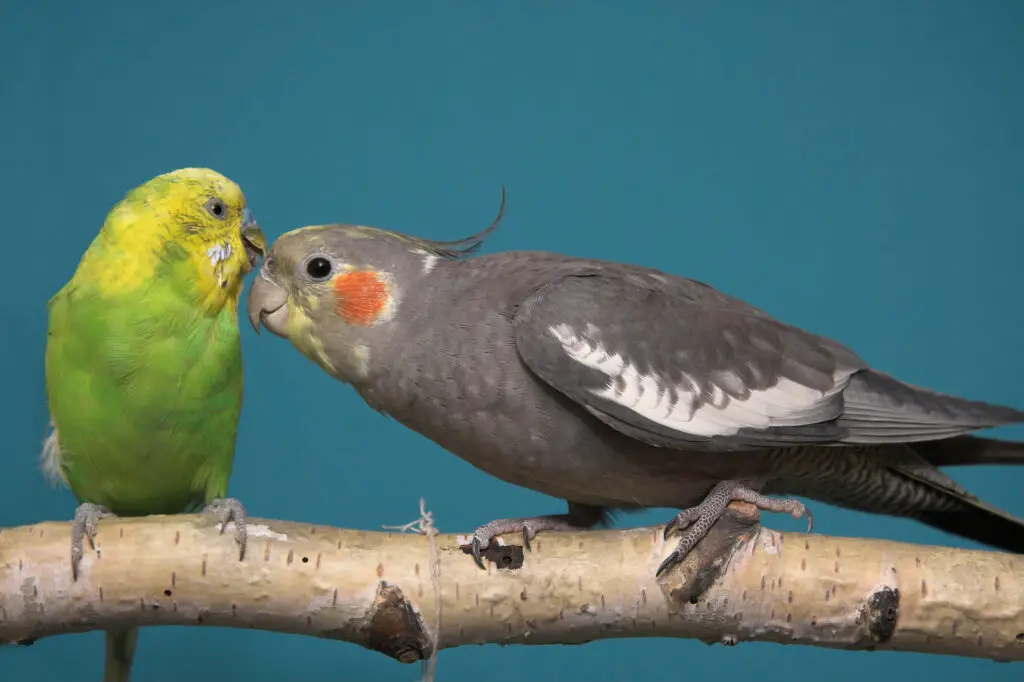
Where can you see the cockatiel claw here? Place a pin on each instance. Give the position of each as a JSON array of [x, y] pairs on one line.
[[477, 547], [699, 519], [580, 517]]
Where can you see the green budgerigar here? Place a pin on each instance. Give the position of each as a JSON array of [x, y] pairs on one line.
[[144, 363]]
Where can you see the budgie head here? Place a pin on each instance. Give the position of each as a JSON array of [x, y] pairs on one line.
[[191, 227]]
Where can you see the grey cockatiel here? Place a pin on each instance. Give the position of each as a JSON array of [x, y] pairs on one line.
[[614, 386]]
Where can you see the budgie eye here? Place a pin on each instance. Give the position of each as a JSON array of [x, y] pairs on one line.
[[216, 208], [318, 267]]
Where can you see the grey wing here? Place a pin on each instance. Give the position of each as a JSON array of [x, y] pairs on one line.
[[674, 363], [881, 409]]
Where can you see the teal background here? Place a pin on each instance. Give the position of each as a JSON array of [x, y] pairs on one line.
[[855, 168]]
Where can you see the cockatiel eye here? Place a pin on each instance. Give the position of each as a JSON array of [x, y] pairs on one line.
[[318, 267], [216, 208]]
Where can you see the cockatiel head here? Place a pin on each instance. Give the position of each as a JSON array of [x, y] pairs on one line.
[[190, 228], [334, 291]]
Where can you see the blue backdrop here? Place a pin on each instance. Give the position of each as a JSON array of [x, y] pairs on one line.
[[855, 168]]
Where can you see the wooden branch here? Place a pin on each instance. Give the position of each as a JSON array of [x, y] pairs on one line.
[[742, 583]]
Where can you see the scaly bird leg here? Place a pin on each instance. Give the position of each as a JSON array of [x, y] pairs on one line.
[[227, 510], [699, 519], [580, 517], [87, 519]]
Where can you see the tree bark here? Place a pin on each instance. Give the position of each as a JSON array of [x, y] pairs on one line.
[[742, 583]]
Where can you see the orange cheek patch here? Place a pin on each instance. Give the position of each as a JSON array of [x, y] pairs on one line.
[[362, 296]]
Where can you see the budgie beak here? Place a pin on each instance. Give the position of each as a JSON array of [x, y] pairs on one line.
[[253, 240], [267, 305]]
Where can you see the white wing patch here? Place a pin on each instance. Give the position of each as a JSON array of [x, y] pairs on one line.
[[50, 458], [651, 395]]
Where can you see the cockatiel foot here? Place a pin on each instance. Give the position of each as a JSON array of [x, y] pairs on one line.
[[699, 519], [87, 519], [580, 517], [229, 510]]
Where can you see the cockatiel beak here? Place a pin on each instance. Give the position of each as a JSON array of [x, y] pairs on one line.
[[253, 240], [267, 305]]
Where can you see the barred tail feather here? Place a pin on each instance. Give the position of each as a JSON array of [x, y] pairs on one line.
[[964, 450]]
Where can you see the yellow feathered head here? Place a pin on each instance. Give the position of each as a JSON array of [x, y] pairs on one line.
[[191, 225]]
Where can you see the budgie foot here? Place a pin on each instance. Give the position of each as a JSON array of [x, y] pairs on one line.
[[229, 510], [580, 517], [699, 519], [87, 518]]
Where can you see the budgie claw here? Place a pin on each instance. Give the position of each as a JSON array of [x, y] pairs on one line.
[[228, 510], [87, 518]]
